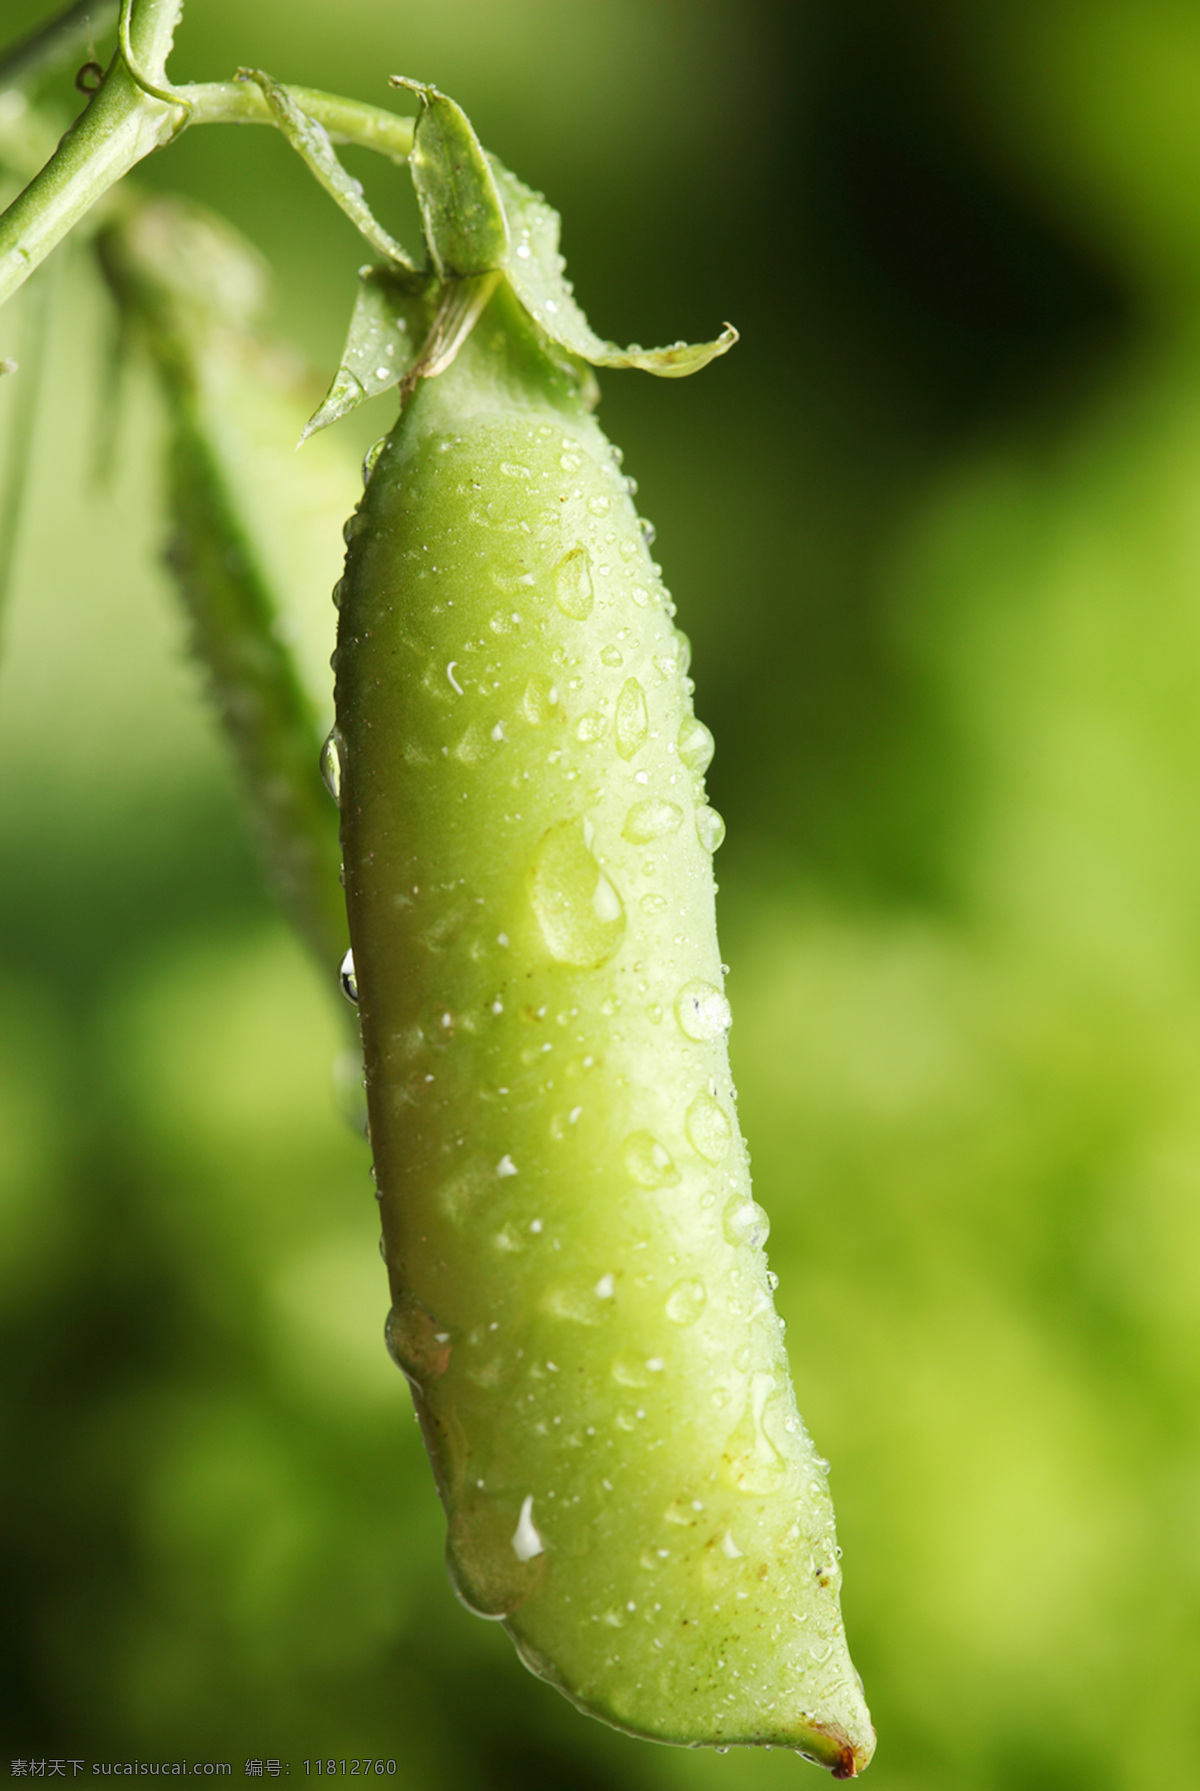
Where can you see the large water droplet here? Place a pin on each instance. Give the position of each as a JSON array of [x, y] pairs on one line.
[[708, 1127], [752, 1462], [651, 819], [695, 745], [486, 1571], [710, 828], [632, 722], [349, 980], [416, 1342], [702, 1011], [685, 1302], [746, 1222], [573, 584], [579, 912], [331, 765], [540, 702], [648, 1161]]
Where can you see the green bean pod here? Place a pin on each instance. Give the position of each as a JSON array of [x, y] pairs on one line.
[[580, 1295]]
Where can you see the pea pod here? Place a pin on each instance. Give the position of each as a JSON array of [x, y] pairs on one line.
[[581, 1300]]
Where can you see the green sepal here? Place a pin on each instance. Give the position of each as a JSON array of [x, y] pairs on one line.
[[379, 348], [465, 226], [479, 218], [313, 145], [535, 269]]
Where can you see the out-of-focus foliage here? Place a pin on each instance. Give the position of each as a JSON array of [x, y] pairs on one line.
[[935, 530]]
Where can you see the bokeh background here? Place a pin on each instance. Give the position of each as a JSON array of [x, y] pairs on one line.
[[934, 529]]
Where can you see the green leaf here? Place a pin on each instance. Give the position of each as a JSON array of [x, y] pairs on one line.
[[535, 270], [379, 349], [313, 145], [465, 225]]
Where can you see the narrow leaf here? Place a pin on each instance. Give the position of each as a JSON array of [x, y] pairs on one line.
[[460, 207], [313, 145], [536, 272], [379, 349]]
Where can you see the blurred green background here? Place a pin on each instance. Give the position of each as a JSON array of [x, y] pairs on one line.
[[934, 529]]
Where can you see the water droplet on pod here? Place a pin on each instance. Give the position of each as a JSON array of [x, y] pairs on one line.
[[632, 723], [573, 584], [539, 702], [752, 1462], [349, 980], [580, 914], [695, 745], [416, 1342], [710, 828], [708, 1127], [331, 765], [685, 1302], [702, 1011], [651, 819], [746, 1222], [648, 1161]]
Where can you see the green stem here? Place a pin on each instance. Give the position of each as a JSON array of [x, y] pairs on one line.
[[347, 121], [121, 125], [124, 123]]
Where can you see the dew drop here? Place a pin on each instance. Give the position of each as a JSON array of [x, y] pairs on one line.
[[702, 1011], [539, 702], [710, 828], [708, 1127], [590, 728], [653, 904], [695, 745], [416, 1342], [611, 654], [685, 1302], [371, 457], [632, 722], [349, 980], [331, 765], [752, 1462], [648, 1161], [746, 1222], [651, 819], [573, 584], [580, 914]]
